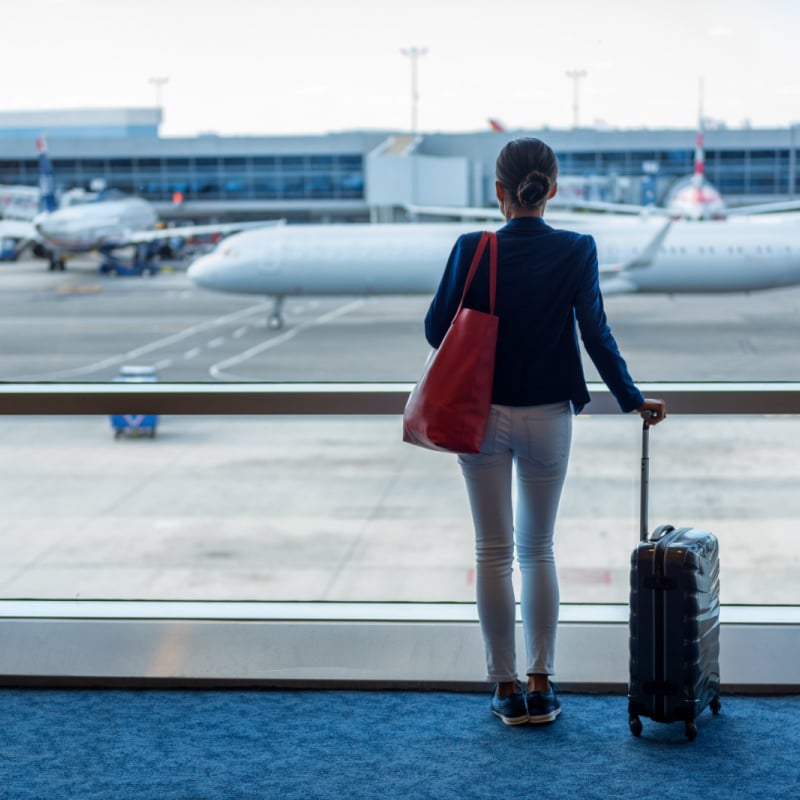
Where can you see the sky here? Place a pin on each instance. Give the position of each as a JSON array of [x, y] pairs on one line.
[[267, 67]]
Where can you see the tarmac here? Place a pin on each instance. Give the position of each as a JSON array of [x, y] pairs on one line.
[[259, 508]]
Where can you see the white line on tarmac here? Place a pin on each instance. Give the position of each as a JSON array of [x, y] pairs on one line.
[[136, 353], [218, 370]]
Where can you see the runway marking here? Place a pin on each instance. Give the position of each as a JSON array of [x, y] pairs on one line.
[[218, 370], [136, 353], [214, 343], [78, 289], [193, 353]]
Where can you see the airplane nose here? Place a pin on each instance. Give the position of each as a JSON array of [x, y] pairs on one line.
[[40, 223], [209, 272], [52, 229], [201, 271]]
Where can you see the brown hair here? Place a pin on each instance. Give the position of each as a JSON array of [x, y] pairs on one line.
[[527, 168]]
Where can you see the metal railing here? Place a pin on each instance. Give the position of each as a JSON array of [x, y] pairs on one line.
[[351, 398]]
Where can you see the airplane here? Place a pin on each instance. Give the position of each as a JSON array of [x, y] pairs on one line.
[[693, 197], [97, 221], [636, 254]]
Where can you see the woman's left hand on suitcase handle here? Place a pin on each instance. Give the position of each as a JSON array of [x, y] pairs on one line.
[[652, 411]]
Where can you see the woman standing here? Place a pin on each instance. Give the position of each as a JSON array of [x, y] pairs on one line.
[[547, 280]]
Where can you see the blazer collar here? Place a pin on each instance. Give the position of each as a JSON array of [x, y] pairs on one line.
[[525, 224]]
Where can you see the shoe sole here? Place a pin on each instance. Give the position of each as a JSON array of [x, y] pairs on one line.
[[542, 718], [512, 720]]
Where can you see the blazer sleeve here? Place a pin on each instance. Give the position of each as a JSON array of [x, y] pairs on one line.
[[445, 302], [596, 333]]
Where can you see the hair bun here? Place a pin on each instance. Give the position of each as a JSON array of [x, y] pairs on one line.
[[533, 188]]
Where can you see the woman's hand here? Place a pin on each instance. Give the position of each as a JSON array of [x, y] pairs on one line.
[[652, 411]]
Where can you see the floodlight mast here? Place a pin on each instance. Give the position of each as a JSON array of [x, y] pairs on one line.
[[575, 75], [158, 83], [414, 53]]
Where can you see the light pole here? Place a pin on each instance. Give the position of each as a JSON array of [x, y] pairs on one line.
[[414, 53], [575, 75], [159, 84]]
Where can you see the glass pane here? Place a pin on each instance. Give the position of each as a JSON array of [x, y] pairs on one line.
[[252, 508]]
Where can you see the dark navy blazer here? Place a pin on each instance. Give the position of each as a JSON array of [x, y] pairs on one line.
[[547, 279]]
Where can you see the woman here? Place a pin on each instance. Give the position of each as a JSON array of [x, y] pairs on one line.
[[546, 281]]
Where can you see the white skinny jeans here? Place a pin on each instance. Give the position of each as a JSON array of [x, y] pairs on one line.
[[535, 439]]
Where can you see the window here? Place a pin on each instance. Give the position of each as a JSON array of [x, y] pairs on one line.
[[322, 507]]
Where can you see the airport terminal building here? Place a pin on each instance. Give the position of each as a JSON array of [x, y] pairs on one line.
[[362, 175]]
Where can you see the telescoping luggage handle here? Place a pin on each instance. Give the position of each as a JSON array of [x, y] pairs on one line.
[[645, 489]]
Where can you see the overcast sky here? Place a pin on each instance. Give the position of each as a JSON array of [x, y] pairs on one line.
[[308, 66]]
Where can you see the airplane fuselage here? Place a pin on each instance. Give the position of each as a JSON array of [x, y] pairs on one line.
[[734, 255], [94, 225]]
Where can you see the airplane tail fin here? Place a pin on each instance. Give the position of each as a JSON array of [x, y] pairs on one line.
[[47, 183], [699, 173]]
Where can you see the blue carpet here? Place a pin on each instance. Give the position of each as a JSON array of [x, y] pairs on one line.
[[279, 745]]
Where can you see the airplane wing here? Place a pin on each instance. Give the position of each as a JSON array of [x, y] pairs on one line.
[[18, 229], [608, 208], [764, 208], [186, 231], [464, 212], [737, 211], [555, 210], [639, 261]]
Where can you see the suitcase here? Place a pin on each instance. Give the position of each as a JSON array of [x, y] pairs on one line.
[[674, 621]]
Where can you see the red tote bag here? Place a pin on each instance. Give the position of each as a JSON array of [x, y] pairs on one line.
[[449, 407]]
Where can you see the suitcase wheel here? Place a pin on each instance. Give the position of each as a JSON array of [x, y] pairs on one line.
[[635, 725], [691, 731], [715, 706]]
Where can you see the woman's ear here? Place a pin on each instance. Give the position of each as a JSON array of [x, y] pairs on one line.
[[500, 192], [553, 189]]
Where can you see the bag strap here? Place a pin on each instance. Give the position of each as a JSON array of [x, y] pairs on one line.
[[489, 237]]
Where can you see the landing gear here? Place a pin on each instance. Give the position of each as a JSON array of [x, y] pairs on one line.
[[275, 321], [56, 263]]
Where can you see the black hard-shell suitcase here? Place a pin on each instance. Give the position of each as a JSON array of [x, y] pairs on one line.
[[674, 621]]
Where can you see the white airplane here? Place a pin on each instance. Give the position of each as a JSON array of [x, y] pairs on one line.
[[693, 197], [95, 221], [636, 254]]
